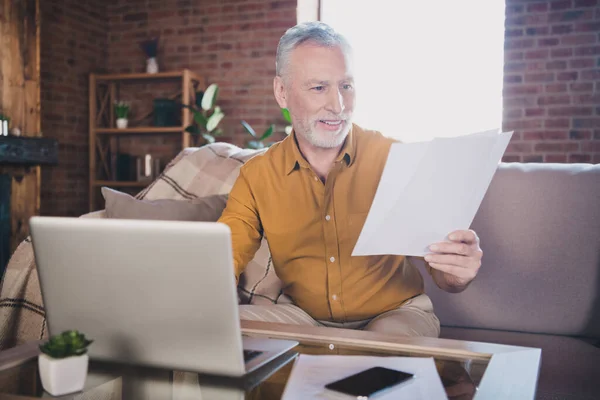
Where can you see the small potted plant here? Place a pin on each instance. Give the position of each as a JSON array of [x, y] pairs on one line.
[[122, 113], [63, 363], [150, 47]]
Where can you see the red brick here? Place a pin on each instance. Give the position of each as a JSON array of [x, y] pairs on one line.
[[533, 158], [514, 32], [590, 75], [579, 123], [580, 158], [580, 135], [513, 55], [537, 54], [513, 79], [590, 146], [558, 64], [537, 7], [548, 42], [535, 112], [555, 158], [582, 86], [539, 66], [518, 43], [545, 135], [521, 90], [523, 124], [557, 122], [561, 29], [567, 76], [519, 147], [561, 4], [539, 77], [560, 147], [586, 51], [582, 63], [537, 31], [587, 27], [585, 3], [561, 53], [511, 158], [554, 100], [575, 40], [556, 88], [587, 98], [570, 111], [512, 113]]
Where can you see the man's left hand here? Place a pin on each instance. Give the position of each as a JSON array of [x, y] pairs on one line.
[[457, 261]]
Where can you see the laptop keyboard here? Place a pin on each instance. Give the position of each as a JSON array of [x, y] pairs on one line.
[[250, 354]]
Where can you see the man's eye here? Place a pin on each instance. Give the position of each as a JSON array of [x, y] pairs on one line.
[[347, 86], [319, 88]]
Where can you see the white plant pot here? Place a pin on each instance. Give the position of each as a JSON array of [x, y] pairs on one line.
[[151, 65], [61, 376], [122, 123]]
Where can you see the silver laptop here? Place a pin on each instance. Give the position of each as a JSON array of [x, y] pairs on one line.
[[151, 293]]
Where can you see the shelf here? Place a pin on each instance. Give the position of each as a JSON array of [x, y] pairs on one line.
[[122, 183], [151, 130], [146, 76]]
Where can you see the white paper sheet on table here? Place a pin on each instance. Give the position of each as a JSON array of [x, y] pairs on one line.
[[429, 189], [311, 373]]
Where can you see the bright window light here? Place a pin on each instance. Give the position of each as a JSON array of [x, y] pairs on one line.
[[424, 69]]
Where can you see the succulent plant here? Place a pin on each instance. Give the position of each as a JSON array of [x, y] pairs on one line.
[[66, 344]]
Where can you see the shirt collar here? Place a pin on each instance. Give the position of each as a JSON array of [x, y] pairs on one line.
[[294, 157]]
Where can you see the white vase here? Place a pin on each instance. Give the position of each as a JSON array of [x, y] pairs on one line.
[[151, 65], [61, 376], [122, 123]]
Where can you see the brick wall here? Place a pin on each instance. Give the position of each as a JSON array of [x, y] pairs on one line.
[[73, 44], [232, 43], [552, 80]]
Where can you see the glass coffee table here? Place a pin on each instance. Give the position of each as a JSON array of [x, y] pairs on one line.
[[468, 370]]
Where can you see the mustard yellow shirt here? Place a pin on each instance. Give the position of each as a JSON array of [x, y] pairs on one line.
[[312, 228]]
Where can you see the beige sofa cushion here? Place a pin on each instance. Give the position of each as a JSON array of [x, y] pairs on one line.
[[212, 170]]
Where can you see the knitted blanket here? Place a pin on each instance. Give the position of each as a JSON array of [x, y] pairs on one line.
[[195, 172]]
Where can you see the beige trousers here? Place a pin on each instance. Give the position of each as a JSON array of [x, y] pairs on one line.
[[413, 318]]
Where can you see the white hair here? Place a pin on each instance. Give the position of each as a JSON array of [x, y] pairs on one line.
[[318, 33]]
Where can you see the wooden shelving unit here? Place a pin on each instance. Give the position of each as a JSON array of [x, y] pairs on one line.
[[104, 136]]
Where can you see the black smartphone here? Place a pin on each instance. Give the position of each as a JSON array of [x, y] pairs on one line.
[[369, 382]]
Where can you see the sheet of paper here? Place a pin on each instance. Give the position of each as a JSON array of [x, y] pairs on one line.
[[429, 189], [311, 373]]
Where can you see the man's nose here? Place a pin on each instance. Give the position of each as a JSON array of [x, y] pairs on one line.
[[336, 102]]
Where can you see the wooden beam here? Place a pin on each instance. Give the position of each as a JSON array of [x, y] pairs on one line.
[[20, 100]]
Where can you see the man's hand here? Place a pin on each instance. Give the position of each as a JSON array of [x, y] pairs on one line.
[[455, 263]]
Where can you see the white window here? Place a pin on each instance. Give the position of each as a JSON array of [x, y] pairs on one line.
[[424, 69]]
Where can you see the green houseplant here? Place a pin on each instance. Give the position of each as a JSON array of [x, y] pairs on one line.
[[122, 113], [258, 140], [207, 116], [63, 363], [257, 143]]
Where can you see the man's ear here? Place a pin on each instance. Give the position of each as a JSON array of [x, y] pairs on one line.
[[279, 91]]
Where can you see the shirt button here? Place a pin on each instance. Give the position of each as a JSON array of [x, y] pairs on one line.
[[332, 259], [327, 217], [316, 179], [334, 297]]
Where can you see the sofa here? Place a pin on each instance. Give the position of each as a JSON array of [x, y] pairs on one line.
[[539, 226]]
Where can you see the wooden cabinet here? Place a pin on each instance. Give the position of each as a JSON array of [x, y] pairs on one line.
[[104, 135]]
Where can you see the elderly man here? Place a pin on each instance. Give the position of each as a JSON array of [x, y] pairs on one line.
[[309, 195]]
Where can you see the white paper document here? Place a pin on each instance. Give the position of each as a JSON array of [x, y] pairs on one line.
[[429, 189], [311, 373]]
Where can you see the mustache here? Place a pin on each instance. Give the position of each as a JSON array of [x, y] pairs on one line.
[[333, 117]]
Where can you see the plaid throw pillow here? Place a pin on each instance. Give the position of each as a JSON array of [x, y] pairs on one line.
[[211, 170]]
